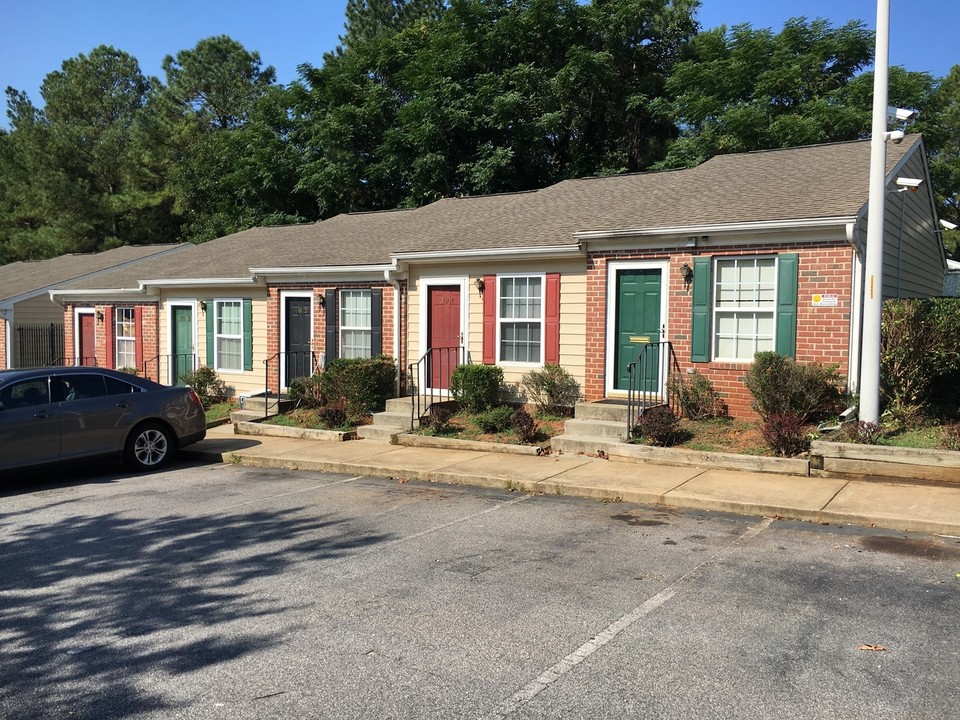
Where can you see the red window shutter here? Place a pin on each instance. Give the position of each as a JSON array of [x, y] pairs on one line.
[[138, 334], [490, 319], [551, 330], [110, 359]]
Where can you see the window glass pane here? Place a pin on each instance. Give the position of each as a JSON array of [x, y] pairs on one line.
[[25, 393], [355, 308], [521, 308], [118, 387], [126, 353], [765, 325], [83, 387], [725, 347], [228, 318], [230, 353], [765, 344], [355, 344], [745, 292]]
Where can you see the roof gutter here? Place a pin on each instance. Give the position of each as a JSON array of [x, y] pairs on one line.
[[741, 227], [199, 282], [62, 296], [330, 272], [446, 256]]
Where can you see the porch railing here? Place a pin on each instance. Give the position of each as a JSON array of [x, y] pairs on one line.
[[302, 363], [649, 381], [175, 361], [429, 378]]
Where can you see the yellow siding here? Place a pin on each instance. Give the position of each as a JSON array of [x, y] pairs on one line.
[[38, 311], [240, 383], [573, 300]]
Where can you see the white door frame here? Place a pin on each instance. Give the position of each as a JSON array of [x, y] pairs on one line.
[[423, 284], [613, 269], [171, 304], [284, 294], [77, 312]]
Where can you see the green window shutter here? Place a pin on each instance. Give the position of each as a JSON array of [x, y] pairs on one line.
[[211, 319], [247, 334], [700, 333], [786, 337]]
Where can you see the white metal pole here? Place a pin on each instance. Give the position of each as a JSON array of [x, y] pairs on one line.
[[873, 277]]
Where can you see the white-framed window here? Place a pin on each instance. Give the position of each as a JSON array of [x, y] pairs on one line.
[[520, 318], [228, 334], [744, 307], [355, 323], [125, 337]]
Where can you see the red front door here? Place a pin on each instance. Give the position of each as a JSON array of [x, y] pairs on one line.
[[88, 340], [443, 322]]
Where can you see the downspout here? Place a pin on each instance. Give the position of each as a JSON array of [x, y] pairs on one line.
[[8, 344], [388, 275], [856, 308]]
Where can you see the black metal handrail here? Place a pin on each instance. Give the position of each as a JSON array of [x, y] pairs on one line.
[[436, 363], [294, 360], [649, 381], [171, 361]]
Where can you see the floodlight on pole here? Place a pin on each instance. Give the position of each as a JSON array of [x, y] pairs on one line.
[[869, 386]]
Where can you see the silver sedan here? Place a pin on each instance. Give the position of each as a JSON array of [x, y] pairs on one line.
[[49, 415]]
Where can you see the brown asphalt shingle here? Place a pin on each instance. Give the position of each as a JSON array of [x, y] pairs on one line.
[[819, 181]]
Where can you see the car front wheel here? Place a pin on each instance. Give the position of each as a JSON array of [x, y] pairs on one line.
[[148, 447]]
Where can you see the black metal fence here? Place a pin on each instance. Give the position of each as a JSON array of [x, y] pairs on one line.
[[38, 345]]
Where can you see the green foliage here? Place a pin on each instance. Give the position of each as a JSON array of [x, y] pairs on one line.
[[524, 426], [861, 432], [781, 386], [207, 384], [476, 387], [366, 383], [438, 421], [659, 426], [129, 370], [494, 420], [920, 355], [552, 390], [785, 433], [697, 397], [306, 391]]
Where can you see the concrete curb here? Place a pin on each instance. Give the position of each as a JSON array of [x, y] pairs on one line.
[[426, 441], [254, 429]]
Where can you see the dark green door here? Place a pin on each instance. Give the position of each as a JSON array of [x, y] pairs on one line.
[[638, 324], [183, 351]]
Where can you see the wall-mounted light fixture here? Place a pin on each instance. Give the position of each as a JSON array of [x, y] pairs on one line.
[[692, 241], [686, 272], [321, 301], [100, 315], [203, 306], [480, 285]]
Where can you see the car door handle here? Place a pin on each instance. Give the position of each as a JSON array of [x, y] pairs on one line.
[[42, 415], [123, 405]]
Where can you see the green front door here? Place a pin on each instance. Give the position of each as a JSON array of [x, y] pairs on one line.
[[638, 324], [183, 351]]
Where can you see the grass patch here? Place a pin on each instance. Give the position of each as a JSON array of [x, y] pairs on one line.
[[219, 411], [304, 418], [463, 426], [925, 438]]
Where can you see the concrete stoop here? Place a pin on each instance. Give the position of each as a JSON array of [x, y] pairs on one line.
[[394, 420], [593, 424]]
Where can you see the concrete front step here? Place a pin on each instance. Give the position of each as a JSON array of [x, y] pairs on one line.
[[576, 445], [380, 433], [256, 403], [609, 411], [599, 429], [239, 416], [393, 419]]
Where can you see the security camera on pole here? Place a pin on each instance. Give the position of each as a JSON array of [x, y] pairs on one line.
[[869, 386]]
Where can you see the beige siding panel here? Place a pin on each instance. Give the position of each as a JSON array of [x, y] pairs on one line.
[[240, 383], [572, 308], [913, 265], [37, 311]]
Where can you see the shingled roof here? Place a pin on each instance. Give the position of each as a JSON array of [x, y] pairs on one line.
[[25, 277], [819, 181]]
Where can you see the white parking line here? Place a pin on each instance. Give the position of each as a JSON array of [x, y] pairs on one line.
[[605, 636]]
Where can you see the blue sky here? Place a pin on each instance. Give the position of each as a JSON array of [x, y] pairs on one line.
[[39, 35]]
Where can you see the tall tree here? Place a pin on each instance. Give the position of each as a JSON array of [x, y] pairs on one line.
[[941, 128], [367, 19], [83, 182]]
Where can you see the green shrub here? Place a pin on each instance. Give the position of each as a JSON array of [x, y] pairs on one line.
[[659, 426], [207, 384], [950, 437], [494, 420], [861, 433], [476, 387], [697, 397], [920, 355], [128, 370], [305, 391], [439, 421], [552, 390], [524, 426], [366, 383], [781, 386], [785, 433]]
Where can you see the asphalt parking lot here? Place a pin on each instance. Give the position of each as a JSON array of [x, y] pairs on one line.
[[212, 591]]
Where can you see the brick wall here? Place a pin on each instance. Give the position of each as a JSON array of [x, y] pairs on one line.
[[320, 315], [823, 333]]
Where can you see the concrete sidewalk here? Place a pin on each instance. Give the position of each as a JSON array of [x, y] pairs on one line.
[[894, 506]]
